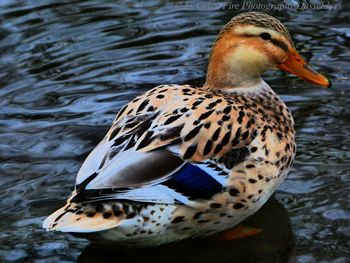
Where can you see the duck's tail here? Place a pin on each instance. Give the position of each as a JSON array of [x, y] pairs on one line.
[[85, 217]]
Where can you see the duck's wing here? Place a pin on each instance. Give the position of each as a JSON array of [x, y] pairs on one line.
[[173, 144]]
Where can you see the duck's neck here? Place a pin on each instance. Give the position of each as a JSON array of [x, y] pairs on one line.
[[220, 77], [257, 89], [234, 65]]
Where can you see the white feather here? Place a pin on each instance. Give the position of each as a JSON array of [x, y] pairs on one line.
[[153, 194], [93, 161]]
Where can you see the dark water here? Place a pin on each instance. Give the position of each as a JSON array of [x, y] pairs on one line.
[[66, 67]]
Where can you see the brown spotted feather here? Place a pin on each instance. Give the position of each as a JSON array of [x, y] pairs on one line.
[[245, 138]]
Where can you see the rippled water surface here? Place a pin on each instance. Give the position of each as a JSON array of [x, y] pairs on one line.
[[66, 67]]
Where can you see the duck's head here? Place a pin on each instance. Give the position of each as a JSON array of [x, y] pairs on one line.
[[250, 44]]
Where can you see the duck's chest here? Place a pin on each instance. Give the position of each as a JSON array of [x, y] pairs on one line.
[[271, 154]]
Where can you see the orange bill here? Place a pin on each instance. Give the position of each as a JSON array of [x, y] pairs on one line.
[[296, 65]]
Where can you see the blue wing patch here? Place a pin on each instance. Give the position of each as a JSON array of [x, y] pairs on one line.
[[194, 183]]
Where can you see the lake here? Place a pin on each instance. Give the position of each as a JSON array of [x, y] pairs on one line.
[[67, 67]]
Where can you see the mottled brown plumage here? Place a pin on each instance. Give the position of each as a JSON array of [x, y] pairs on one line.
[[182, 161]]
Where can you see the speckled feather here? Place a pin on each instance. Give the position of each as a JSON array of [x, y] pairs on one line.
[[182, 161], [202, 127]]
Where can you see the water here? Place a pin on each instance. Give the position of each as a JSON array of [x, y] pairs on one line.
[[66, 67]]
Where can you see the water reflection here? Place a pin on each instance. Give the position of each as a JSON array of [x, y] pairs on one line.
[[274, 244]]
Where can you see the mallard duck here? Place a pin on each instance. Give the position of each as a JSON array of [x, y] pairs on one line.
[[183, 162]]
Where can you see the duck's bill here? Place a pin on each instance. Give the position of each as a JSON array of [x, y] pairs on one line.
[[296, 65]]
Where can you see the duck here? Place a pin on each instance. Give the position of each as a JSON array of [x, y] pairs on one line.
[[184, 162]]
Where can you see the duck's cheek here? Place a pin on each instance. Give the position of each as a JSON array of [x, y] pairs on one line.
[[250, 59], [277, 56]]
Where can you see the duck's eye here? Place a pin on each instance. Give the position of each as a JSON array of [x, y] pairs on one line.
[[265, 36]]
